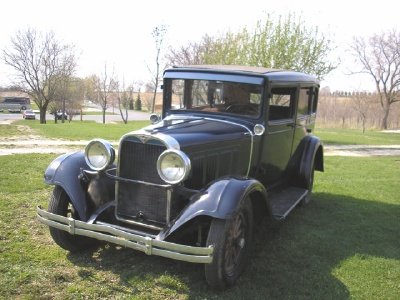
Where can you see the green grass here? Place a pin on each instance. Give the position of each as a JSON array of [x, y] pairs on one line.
[[344, 244], [85, 130], [10, 130], [96, 113], [88, 130], [356, 137]]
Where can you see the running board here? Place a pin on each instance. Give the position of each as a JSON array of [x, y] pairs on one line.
[[284, 201]]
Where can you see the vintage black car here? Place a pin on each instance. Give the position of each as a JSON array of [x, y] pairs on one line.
[[233, 145]]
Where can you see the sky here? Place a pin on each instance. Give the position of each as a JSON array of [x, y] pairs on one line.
[[118, 32]]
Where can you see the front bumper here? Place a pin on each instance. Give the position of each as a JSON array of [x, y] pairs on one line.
[[110, 234]]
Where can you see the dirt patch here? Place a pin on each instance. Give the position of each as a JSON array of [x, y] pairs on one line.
[[6, 122], [391, 131], [12, 146], [24, 129], [37, 144], [361, 150]]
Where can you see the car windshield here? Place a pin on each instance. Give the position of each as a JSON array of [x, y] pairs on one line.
[[213, 96]]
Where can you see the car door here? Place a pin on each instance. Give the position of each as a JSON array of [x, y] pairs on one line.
[[277, 142], [305, 118]]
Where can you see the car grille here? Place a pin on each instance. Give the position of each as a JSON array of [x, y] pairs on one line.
[[138, 161]]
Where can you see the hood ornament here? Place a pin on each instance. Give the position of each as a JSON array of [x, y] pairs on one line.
[[144, 138]]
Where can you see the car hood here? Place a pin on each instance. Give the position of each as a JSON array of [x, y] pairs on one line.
[[215, 147], [192, 131]]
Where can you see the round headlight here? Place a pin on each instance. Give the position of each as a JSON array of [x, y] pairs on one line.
[[99, 154], [173, 166]]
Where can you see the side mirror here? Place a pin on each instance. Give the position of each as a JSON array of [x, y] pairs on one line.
[[154, 118]]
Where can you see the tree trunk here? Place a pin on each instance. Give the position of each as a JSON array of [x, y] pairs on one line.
[[386, 111], [154, 95], [42, 115], [124, 118], [364, 119], [104, 115], [63, 111]]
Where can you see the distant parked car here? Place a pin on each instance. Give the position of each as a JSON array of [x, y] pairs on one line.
[[60, 114], [29, 114]]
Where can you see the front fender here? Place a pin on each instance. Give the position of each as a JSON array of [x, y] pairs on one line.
[[64, 171], [220, 199]]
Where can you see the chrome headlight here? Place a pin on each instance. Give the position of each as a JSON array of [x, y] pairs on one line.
[[99, 154], [173, 166]]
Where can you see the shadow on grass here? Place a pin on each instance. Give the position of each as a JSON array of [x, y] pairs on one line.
[[295, 261]]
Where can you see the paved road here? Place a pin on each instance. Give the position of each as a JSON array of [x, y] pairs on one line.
[[132, 115]]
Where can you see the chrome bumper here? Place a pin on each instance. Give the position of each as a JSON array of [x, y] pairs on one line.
[[109, 234]]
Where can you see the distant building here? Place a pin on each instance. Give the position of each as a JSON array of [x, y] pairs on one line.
[[9, 94]]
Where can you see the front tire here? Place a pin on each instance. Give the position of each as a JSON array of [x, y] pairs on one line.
[[60, 204], [231, 240]]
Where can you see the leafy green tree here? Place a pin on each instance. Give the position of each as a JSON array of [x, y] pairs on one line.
[[138, 102], [283, 43]]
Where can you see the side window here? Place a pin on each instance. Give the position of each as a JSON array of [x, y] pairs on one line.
[[305, 100], [177, 94], [281, 103], [314, 101], [199, 93]]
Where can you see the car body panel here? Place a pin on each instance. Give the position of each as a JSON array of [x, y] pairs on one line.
[[64, 171], [220, 199]]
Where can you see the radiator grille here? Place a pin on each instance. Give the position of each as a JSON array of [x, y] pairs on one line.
[[138, 161]]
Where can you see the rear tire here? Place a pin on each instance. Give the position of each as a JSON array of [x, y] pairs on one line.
[[232, 241], [60, 204]]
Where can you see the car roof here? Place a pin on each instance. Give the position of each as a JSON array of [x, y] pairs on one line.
[[270, 74]]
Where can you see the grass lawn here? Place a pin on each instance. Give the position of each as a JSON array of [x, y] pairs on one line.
[[85, 130], [96, 113], [344, 244], [356, 137], [10, 130]]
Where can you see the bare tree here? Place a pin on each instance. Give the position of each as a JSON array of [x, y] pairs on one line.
[[123, 102], [62, 94], [190, 54], [380, 58], [158, 34], [41, 64], [104, 86], [361, 104], [68, 99]]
